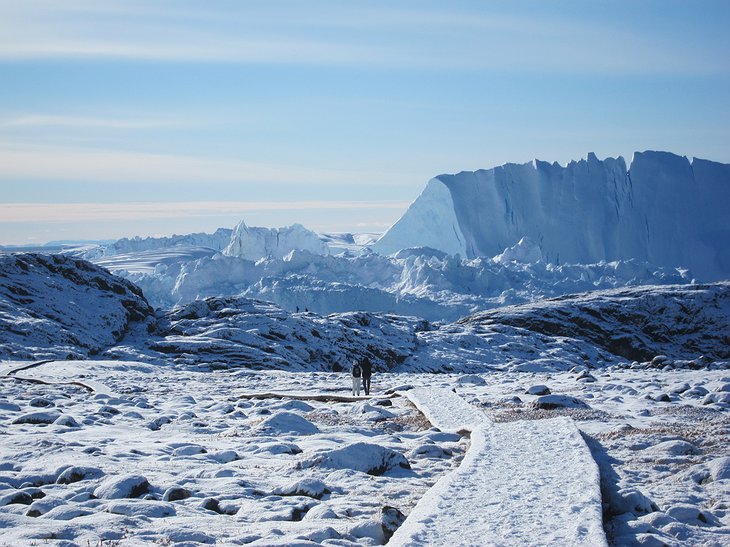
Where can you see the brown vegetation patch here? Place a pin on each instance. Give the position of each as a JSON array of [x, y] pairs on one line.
[[514, 413]]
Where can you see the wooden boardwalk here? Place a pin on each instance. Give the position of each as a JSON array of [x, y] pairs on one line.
[[520, 483]]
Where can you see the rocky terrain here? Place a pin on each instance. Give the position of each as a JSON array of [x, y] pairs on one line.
[[55, 306], [80, 310]]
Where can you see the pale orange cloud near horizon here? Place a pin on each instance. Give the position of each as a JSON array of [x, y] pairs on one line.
[[79, 212]]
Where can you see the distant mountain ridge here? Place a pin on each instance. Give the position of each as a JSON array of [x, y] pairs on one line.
[[664, 210]]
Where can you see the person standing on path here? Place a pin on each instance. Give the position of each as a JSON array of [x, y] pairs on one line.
[[367, 372], [356, 373]]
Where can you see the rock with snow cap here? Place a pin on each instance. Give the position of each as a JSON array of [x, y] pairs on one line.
[[538, 389], [125, 486], [286, 423], [549, 402], [310, 487], [368, 458]]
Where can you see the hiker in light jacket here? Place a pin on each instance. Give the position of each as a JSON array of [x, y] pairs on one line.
[[356, 372]]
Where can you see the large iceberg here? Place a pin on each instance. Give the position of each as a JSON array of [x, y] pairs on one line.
[[216, 241], [255, 243], [664, 210]]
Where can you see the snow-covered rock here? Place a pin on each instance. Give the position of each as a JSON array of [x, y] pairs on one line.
[[255, 243], [664, 210], [39, 418], [471, 379], [237, 332], [685, 513], [176, 493], [674, 448], [67, 512], [632, 501], [125, 486], [635, 323], [538, 389], [310, 487], [58, 306], [286, 423], [147, 509], [66, 421], [320, 511], [15, 498], [714, 470], [549, 402], [371, 529], [76, 474], [368, 458]]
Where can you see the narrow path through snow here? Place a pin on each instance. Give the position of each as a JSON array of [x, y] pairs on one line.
[[23, 366], [521, 483], [90, 385], [306, 396]]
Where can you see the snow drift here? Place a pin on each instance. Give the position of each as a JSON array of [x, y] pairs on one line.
[[664, 210]]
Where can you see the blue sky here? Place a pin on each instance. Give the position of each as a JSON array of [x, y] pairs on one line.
[[157, 117]]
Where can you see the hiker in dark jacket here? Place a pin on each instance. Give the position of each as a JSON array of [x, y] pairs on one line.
[[367, 372], [356, 372]]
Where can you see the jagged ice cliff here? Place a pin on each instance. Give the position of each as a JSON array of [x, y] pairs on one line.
[[664, 210]]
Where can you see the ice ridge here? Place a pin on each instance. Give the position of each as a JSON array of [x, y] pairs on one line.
[[664, 210]]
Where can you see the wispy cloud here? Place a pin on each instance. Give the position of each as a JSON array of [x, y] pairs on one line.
[[344, 34], [37, 120], [92, 212], [102, 166]]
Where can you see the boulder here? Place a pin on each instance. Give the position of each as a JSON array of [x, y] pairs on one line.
[[286, 423], [550, 402], [76, 474], [310, 487], [175, 493], [368, 458], [39, 418], [126, 486], [391, 519]]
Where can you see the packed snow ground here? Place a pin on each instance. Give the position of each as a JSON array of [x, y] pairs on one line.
[[521, 483], [222, 464], [169, 456]]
